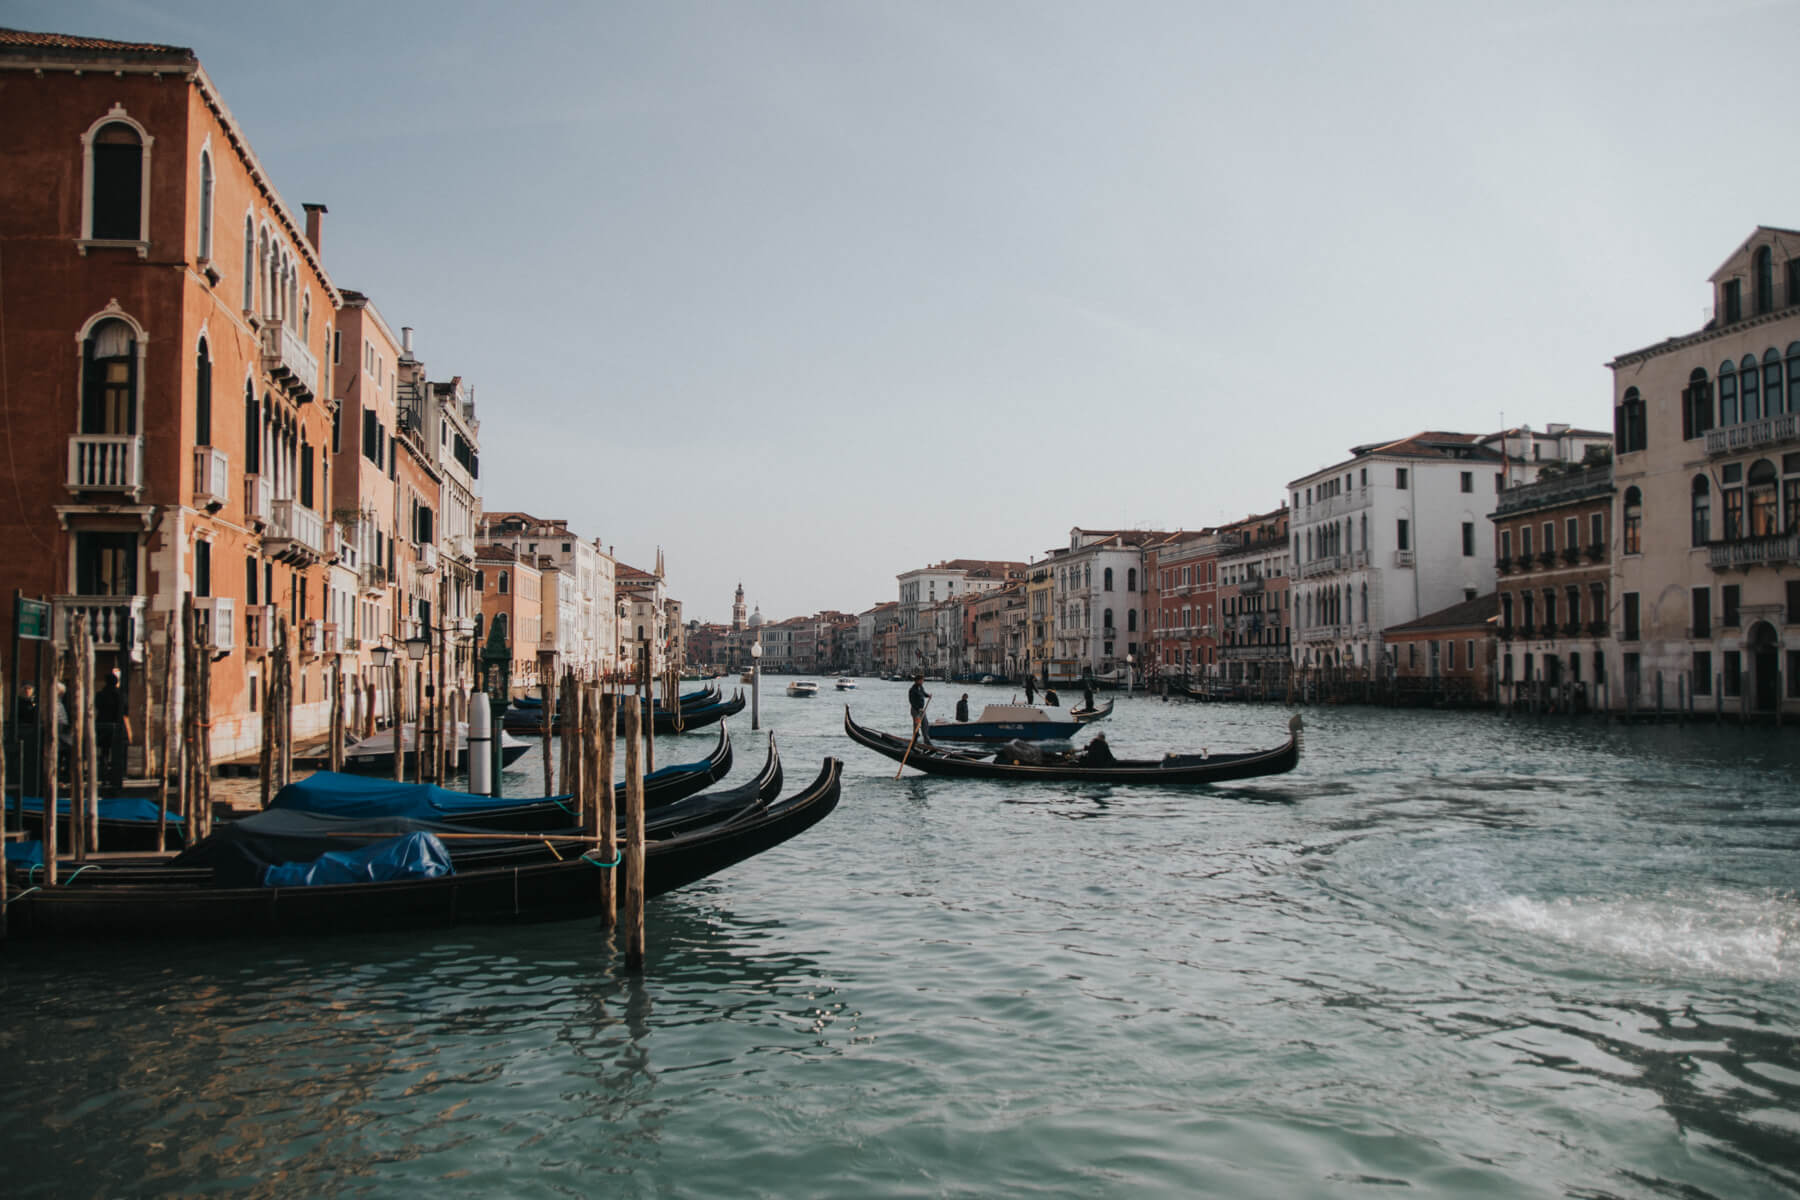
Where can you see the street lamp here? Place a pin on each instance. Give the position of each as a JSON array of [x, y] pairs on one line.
[[756, 684], [381, 655]]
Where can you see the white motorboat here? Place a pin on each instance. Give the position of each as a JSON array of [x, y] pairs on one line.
[[803, 687]]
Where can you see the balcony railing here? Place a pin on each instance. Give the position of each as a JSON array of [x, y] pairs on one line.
[[1754, 435], [290, 362], [428, 557], [296, 533], [114, 622], [1251, 586], [218, 622], [1324, 565], [106, 462], [312, 637], [259, 500], [373, 578], [1754, 552], [1503, 564], [331, 638], [462, 546], [1403, 558], [1324, 633], [1559, 489], [212, 478]]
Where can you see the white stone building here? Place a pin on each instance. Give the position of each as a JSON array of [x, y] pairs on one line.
[[1101, 602]]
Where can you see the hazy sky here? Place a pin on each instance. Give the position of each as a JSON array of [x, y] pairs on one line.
[[811, 294]]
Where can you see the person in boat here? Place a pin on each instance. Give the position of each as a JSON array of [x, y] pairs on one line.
[[962, 708], [1087, 694], [917, 697], [1051, 698], [1030, 690], [1097, 753]]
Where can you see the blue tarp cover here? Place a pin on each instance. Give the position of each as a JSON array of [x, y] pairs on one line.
[[415, 856], [335, 794], [25, 854], [117, 808]]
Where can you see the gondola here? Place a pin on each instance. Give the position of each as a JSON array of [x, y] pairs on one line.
[[374, 755], [337, 795], [526, 713], [497, 880], [1173, 769], [125, 822], [688, 720], [1087, 716]]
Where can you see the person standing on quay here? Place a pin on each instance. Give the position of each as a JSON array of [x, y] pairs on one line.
[[114, 733], [917, 697]]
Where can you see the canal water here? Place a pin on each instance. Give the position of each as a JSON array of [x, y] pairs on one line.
[[1458, 954]]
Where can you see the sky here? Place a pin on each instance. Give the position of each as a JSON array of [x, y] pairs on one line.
[[811, 294]]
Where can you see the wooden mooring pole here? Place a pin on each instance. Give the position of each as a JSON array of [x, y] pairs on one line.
[[167, 708], [50, 716], [634, 837], [604, 740]]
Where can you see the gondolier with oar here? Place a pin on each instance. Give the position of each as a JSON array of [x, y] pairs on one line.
[[918, 698]]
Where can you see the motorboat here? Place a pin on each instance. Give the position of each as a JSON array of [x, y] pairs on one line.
[[846, 684], [803, 687]]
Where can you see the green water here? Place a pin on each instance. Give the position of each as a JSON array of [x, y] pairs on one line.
[[1453, 954]]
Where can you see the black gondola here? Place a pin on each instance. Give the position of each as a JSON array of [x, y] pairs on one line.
[[328, 794], [1173, 769], [688, 720], [496, 880]]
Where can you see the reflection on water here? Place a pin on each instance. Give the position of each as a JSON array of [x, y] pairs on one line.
[[1461, 954]]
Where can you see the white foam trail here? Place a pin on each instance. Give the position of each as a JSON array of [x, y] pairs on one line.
[[1715, 932]]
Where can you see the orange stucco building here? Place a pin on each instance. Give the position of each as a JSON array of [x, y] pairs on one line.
[[167, 415]]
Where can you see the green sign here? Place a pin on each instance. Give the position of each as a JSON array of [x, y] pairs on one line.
[[33, 619]]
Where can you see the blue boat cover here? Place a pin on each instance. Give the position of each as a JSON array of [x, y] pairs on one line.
[[25, 854], [116, 808], [415, 856], [335, 794]]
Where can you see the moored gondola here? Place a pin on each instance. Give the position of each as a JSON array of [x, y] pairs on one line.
[[497, 879], [329, 794], [1087, 716], [1171, 769]]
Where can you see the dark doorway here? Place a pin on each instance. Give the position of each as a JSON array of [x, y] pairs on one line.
[[1765, 655]]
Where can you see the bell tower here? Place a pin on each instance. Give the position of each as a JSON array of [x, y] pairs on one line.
[[737, 609]]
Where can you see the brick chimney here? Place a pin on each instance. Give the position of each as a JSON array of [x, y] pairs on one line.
[[314, 215]]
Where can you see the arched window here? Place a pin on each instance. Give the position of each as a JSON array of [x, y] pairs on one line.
[[1131, 572], [1107, 620], [1793, 376], [1747, 387], [202, 395], [1634, 521], [305, 316], [505, 584], [116, 200], [1728, 405], [1773, 404], [1131, 620], [252, 431], [249, 264], [206, 206], [1106, 579], [1702, 510], [109, 379], [1761, 485], [1629, 423], [1763, 269], [1696, 405]]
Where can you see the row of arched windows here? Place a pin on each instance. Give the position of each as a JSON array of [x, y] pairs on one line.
[[1755, 502]]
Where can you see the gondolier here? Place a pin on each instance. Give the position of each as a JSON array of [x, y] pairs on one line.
[[917, 697]]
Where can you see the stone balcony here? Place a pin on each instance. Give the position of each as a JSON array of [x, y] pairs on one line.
[[1754, 552], [259, 500], [1761, 434], [107, 462], [212, 478], [296, 534], [286, 358], [114, 622], [218, 622]]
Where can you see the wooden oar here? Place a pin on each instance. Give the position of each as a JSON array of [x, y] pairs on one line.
[[917, 725]]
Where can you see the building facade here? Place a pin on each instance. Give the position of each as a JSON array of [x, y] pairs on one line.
[[1706, 473], [1554, 562]]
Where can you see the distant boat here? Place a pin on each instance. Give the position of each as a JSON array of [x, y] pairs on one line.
[[803, 687], [846, 684]]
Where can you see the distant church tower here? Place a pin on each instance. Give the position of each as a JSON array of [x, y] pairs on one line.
[[737, 610]]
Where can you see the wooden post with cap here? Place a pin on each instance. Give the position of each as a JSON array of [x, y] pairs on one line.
[[634, 838]]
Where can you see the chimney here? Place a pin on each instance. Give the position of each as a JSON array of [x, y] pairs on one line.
[[314, 223], [406, 340]]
